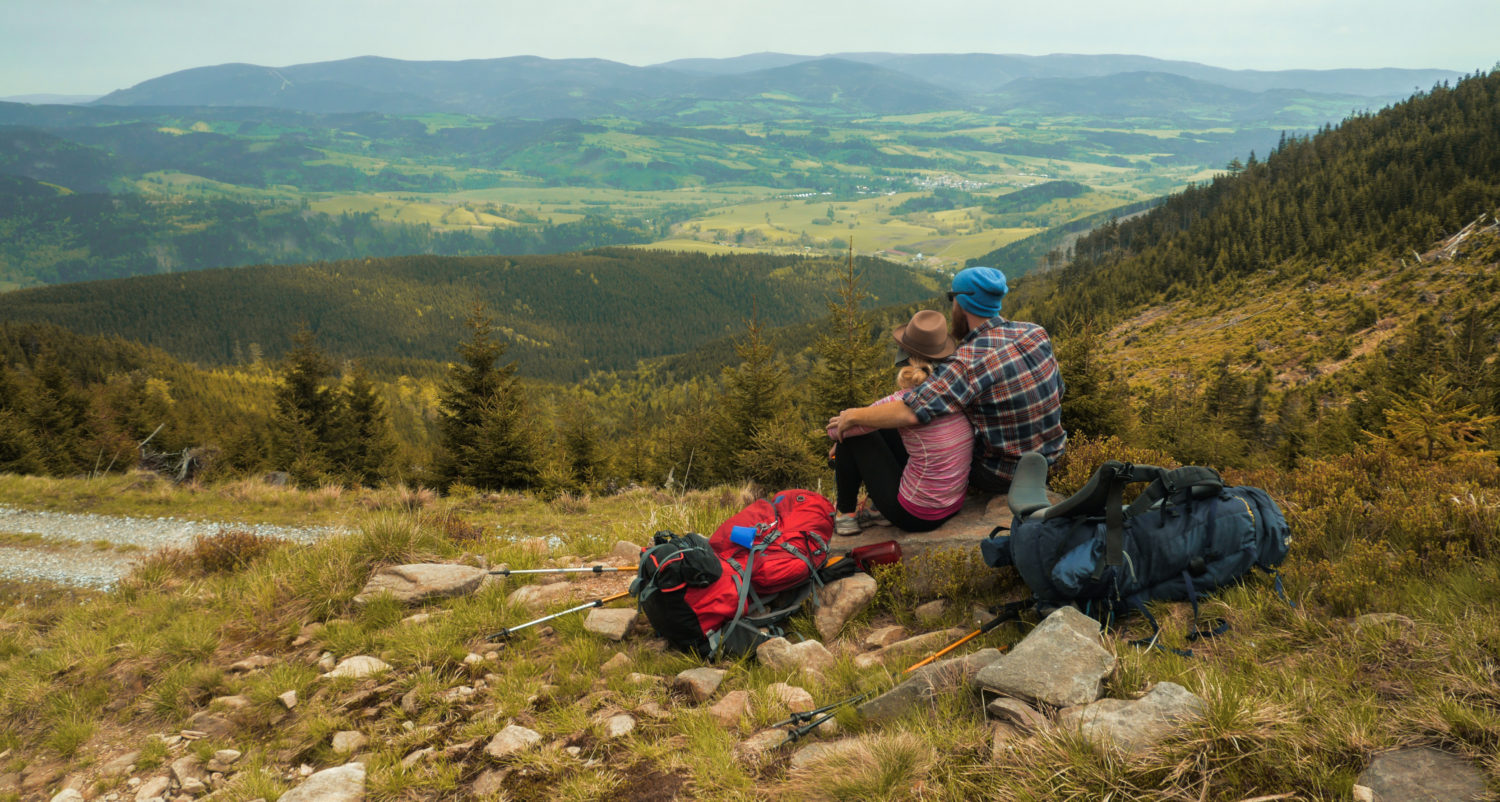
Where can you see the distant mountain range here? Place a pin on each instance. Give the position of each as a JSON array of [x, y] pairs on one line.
[[771, 85]]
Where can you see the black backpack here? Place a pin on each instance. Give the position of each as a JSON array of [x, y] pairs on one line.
[[1186, 534]]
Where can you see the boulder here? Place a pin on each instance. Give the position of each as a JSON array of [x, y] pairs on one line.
[[489, 783], [619, 725], [117, 766], [840, 601], [698, 684], [794, 699], [915, 647], [884, 636], [626, 552], [188, 768], [779, 654], [227, 757], [212, 725], [612, 622], [931, 612], [537, 597], [359, 666], [420, 582], [729, 710], [514, 738], [1062, 663], [68, 795], [344, 783], [944, 676], [155, 787], [288, 699], [1422, 774], [1017, 713], [753, 749], [616, 664], [349, 741], [1134, 726]]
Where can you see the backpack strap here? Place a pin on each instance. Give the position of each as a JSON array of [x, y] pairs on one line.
[[1200, 481], [720, 638]]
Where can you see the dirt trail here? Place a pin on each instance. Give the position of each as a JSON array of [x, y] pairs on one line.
[[95, 551]]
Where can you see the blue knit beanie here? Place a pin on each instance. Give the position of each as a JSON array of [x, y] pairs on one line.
[[980, 290]]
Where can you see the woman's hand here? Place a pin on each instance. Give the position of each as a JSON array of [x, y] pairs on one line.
[[843, 422]]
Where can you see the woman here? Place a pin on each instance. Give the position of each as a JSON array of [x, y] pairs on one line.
[[916, 476]]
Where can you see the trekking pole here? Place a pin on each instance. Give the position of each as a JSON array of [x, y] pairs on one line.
[[1011, 611], [813, 719], [588, 569], [506, 632], [799, 718]]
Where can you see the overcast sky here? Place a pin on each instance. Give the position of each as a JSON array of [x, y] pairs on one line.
[[95, 46]]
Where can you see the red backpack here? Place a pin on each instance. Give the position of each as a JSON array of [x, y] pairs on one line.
[[782, 542]]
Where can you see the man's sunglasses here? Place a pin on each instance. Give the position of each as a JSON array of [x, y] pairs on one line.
[[952, 294]]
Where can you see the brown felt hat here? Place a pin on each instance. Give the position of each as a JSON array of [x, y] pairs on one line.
[[926, 336]]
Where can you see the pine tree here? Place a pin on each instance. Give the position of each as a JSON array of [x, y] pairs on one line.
[[58, 417], [848, 373], [19, 451], [756, 397], [487, 439], [1096, 402], [305, 412], [362, 445]]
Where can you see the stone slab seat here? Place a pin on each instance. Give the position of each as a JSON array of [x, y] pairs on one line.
[[982, 512]]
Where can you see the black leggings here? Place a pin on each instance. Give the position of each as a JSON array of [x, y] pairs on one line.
[[876, 460]]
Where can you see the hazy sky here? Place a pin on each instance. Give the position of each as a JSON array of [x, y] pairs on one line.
[[95, 46]]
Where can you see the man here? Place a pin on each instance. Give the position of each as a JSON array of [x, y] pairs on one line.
[[1003, 377]]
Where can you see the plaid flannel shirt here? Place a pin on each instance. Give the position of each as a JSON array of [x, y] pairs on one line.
[[1005, 379]]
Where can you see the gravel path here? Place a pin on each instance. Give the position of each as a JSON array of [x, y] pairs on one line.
[[67, 554]]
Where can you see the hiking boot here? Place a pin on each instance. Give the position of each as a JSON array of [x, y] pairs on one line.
[[845, 524], [868, 516]]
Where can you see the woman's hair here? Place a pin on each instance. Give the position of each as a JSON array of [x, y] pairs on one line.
[[913, 373]]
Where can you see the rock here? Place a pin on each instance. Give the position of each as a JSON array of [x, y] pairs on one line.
[[116, 766], [794, 699], [358, 666], [1362, 794], [227, 757], [151, 789], [637, 678], [842, 600], [10, 783], [1061, 663], [1134, 726], [326, 662], [288, 699], [915, 647], [815, 752], [731, 708], [514, 738], [1018, 714], [349, 741], [1382, 619], [212, 725], [779, 654], [626, 551], [536, 597], [194, 787], [416, 757], [189, 735], [473, 659], [421, 582], [980, 615], [68, 795], [698, 684], [188, 768], [944, 676], [653, 710], [489, 783], [1422, 774], [757, 746], [235, 702], [616, 664], [344, 783], [884, 636], [36, 776], [619, 725], [612, 622], [254, 662], [931, 612], [1002, 739]]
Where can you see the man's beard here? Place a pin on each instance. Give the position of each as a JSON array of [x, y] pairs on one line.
[[958, 323]]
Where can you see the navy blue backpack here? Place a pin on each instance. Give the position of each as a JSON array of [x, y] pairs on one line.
[[1186, 534]]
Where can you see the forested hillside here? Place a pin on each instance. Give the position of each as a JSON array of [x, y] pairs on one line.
[[563, 316]]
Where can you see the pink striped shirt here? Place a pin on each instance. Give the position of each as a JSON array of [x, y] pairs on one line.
[[940, 452]]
